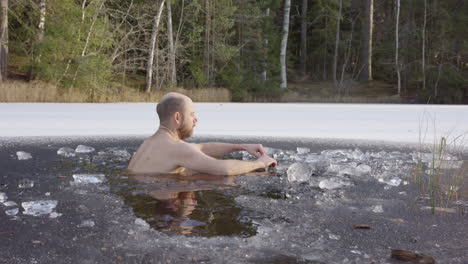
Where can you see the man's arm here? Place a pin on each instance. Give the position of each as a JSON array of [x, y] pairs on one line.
[[216, 149], [191, 157]]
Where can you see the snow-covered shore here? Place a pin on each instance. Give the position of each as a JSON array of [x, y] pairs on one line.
[[394, 123]]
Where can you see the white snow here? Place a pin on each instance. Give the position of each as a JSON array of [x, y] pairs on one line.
[[387, 122]]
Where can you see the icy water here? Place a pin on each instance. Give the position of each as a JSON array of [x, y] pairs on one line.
[[71, 201]]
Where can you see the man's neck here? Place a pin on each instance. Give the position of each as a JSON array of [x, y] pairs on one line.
[[170, 132]]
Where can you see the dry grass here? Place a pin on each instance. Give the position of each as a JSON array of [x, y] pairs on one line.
[[38, 91]]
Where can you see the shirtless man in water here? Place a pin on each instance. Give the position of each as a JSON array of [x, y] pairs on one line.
[[167, 152]]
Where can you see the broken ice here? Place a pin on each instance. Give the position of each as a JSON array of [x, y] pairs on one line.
[[302, 151], [86, 223], [40, 207], [299, 172], [333, 183], [3, 197], [84, 149], [10, 203], [142, 223], [25, 184], [22, 155], [377, 209], [12, 212], [66, 152], [395, 181], [88, 178]]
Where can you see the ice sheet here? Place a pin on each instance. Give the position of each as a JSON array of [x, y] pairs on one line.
[[397, 123]]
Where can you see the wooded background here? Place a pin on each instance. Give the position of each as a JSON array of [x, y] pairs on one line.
[[415, 49]]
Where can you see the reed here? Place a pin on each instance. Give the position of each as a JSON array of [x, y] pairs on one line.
[[39, 91]]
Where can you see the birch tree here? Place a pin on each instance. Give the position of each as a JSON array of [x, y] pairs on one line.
[[337, 43], [303, 52], [172, 63], [397, 43], [3, 39], [366, 50], [152, 47], [207, 42], [423, 55], [284, 43]]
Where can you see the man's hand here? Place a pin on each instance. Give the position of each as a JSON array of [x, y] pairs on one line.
[[267, 160], [254, 149]]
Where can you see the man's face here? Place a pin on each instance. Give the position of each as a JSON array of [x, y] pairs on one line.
[[189, 121]]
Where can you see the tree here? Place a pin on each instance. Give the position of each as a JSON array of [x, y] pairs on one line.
[[366, 46], [337, 43], [423, 55], [3, 39], [284, 43], [397, 43], [304, 25], [172, 63], [152, 47]]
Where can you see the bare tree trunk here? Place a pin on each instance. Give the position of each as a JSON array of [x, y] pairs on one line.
[[42, 17], [423, 64], [284, 44], [172, 63], [3, 40], [88, 36], [303, 52], [206, 55], [337, 43], [149, 66], [39, 37], [265, 42], [397, 66], [325, 50], [366, 51]]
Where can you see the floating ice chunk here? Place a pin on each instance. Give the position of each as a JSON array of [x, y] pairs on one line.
[[395, 181], [377, 209], [191, 223], [363, 169], [114, 154], [40, 207], [295, 157], [299, 172], [23, 155], [66, 152], [142, 223], [88, 178], [84, 149], [25, 184], [10, 203], [271, 151], [54, 215], [356, 154], [333, 183], [313, 157], [334, 237], [3, 197], [86, 223], [302, 151], [12, 212]]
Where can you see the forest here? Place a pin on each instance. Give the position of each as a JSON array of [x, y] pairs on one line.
[[412, 51]]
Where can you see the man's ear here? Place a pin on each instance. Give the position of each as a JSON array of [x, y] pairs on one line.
[[178, 117]]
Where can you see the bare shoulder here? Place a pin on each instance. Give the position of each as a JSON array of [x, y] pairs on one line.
[[187, 148]]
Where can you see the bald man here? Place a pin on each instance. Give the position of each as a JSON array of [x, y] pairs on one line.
[[167, 152]]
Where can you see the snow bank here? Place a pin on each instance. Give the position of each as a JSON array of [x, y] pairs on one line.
[[397, 123]]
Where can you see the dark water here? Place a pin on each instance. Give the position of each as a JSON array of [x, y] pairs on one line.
[[202, 205]]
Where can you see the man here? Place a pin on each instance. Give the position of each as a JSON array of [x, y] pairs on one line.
[[167, 152]]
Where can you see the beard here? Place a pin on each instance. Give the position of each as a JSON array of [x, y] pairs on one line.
[[184, 132]]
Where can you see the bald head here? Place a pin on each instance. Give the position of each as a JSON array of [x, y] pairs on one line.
[[171, 103]]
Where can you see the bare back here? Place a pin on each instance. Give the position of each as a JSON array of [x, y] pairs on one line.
[[157, 154]]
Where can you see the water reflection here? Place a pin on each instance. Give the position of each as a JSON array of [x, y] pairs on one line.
[[195, 204]]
